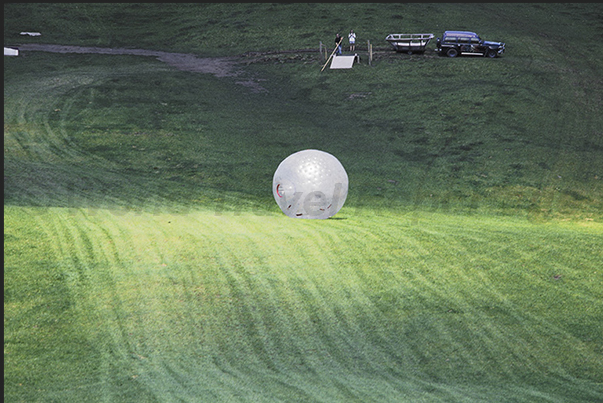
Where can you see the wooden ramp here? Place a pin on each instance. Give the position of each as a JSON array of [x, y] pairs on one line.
[[342, 62]]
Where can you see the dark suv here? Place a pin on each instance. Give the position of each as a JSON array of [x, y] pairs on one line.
[[454, 43]]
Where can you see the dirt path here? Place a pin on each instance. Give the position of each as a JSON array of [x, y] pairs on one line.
[[218, 66]]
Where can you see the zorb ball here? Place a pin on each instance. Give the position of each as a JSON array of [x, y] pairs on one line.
[[310, 184]]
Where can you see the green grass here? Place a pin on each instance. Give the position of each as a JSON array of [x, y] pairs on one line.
[[201, 305], [145, 259]]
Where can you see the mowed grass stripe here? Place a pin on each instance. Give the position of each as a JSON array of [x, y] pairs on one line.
[[123, 306], [217, 300], [141, 285], [92, 291], [241, 284], [480, 318], [463, 298], [281, 306], [418, 290], [521, 328], [231, 333], [83, 253], [347, 306], [524, 320]]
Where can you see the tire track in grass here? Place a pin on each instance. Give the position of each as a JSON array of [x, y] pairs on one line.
[[125, 302], [368, 345], [551, 335], [379, 278], [40, 100], [42, 164], [326, 314], [486, 342]]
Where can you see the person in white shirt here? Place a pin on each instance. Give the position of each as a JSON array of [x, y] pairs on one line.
[[352, 40]]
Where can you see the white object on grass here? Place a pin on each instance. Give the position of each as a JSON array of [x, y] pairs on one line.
[[310, 184], [11, 52], [342, 62], [31, 33]]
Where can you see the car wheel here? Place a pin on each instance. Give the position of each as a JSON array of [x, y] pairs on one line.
[[452, 52], [491, 53]]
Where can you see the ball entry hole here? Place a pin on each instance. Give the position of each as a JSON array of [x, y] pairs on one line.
[[278, 190]]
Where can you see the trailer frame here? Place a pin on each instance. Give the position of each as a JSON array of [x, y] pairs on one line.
[[409, 43]]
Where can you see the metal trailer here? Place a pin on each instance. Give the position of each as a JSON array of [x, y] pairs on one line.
[[409, 43]]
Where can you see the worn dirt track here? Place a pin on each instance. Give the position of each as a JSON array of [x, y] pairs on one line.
[[218, 66]]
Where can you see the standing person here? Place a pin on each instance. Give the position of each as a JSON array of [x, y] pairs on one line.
[[352, 39], [338, 40]]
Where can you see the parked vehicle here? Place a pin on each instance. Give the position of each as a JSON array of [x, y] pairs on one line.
[[455, 43]]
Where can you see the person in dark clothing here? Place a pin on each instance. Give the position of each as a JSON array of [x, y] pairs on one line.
[[338, 40]]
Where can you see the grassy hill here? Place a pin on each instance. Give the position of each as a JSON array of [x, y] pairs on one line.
[[146, 260]]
